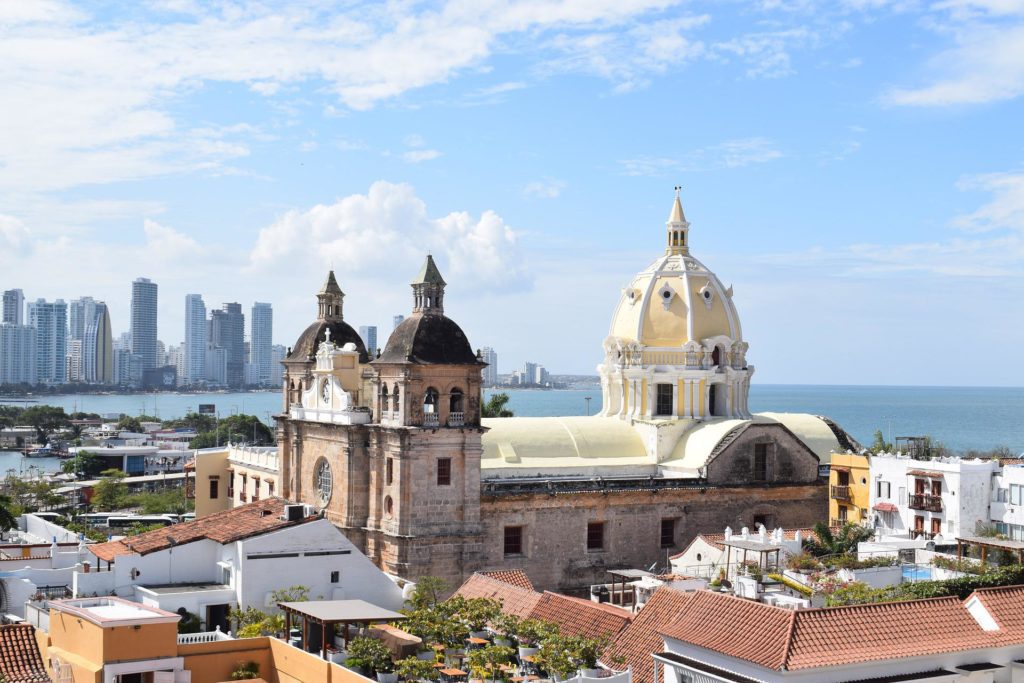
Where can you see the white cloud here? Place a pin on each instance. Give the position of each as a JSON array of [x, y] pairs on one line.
[[387, 232], [986, 64], [1004, 211], [766, 54], [14, 236], [728, 154], [416, 156], [548, 188]]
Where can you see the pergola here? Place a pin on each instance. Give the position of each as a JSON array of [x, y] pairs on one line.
[[987, 542], [763, 550], [327, 613], [617, 594]]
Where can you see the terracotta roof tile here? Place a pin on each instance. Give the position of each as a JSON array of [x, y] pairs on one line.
[[224, 527], [641, 638], [514, 599], [1006, 605], [580, 617], [20, 661], [779, 639], [516, 577]]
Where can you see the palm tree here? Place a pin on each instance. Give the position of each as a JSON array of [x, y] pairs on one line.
[[839, 543], [7, 519]]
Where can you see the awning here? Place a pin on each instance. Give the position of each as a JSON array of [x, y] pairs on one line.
[[839, 468], [925, 473], [885, 507]]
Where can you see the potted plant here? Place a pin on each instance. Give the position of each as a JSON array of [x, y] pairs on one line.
[[374, 657], [530, 633], [555, 657], [716, 583], [415, 669], [486, 662], [506, 625], [586, 652], [804, 563], [478, 613], [245, 671]]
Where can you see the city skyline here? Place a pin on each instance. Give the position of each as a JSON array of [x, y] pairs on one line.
[[533, 151]]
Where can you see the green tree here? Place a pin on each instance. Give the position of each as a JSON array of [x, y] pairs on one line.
[[495, 406], [85, 463], [8, 520], [879, 445], [200, 423], [427, 593], [236, 429], [843, 541], [127, 423], [45, 420], [110, 492], [169, 501]]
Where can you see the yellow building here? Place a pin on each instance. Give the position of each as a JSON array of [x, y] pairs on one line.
[[232, 475], [849, 496], [111, 640]]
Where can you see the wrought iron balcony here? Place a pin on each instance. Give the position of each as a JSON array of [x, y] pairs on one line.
[[926, 501], [841, 492]]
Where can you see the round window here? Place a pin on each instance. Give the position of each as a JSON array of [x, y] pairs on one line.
[[667, 294], [389, 507], [707, 293], [322, 481], [698, 557]]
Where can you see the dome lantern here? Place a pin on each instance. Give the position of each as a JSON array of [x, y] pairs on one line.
[[678, 228], [330, 299], [428, 289]]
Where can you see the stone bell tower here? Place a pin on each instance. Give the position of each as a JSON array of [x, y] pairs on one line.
[[424, 507]]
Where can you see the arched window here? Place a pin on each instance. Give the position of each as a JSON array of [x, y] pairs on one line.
[[384, 404], [394, 398], [716, 356], [455, 402], [430, 399]]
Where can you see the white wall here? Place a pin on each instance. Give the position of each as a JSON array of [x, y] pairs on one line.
[[47, 530], [359, 577]]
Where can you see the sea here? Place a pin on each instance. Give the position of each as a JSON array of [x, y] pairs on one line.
[[961, 418]]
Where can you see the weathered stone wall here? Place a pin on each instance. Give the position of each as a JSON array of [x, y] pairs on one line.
[[789, 459], [555, 551]]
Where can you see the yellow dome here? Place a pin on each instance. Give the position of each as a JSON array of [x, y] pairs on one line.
[[673, 301]]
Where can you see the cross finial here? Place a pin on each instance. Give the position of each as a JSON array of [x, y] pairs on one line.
[[327, 334], [679, 189]]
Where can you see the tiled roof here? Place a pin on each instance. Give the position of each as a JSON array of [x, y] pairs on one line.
[[780, 639], [1006, 605], [224, 527], [20, 661], [574, 616], [580, 617], [513, 599], [635, 644], [516, 577], [717, 540]]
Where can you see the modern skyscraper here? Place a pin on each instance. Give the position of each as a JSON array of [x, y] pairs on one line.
[[51, 323], [98, 347], [17, 354], [277, 354], [14, 307], [143, 323], [261, 341], [369, 335], [396, 321], [195, 340], [80, 313], [75, 371], [490, 374], [227, 332]]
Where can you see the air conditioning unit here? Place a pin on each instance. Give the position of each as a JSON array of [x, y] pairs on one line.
[[294, 513]]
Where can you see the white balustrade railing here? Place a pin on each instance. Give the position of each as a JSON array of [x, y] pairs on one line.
[[456, 419], [431, 420], [204, 637]]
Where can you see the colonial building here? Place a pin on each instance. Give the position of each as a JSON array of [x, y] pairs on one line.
[[394, 451]]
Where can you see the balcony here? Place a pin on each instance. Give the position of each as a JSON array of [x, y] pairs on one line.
[[456, 419], [924, 535], [843, 521], [925, 501], [431, 420], [841, 492]]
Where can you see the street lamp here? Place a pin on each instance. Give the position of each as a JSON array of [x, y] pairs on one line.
[[587, 399]]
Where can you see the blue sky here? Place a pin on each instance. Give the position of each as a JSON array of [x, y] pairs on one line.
[[853, 168]]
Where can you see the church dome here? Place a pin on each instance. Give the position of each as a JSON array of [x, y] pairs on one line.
[[311, 338], [432, 339], [330, 300], [676, 299]]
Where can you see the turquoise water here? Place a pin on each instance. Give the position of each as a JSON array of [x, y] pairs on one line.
[[960, 417]]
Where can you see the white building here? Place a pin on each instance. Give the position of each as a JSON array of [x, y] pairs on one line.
[[368, 333], [143, 321], [51, 323], [17, 354], [237, 558], [195, 340], [945, 497], [261, 342], [13, 307], [277, 354], [75, 361], [716, 637], [490, 374]]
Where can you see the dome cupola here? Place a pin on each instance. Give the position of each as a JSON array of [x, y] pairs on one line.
[[329, 317]]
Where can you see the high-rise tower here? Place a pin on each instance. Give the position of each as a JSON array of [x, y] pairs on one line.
[[195, 340], [143, 322], [261, 341], [50, 321]]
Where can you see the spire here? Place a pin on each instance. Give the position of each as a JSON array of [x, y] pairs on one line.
[[428, 289], [330, 300], [678, 228]]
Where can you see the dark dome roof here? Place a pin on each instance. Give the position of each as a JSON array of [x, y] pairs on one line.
[[341, 334], [430, 338]]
